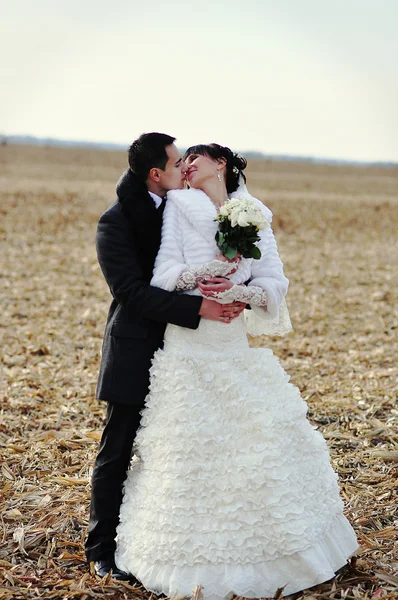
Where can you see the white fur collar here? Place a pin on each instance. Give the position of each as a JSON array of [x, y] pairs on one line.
[[198, 209]]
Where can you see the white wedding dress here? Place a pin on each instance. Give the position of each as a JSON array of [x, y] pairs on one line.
[[231, 487]]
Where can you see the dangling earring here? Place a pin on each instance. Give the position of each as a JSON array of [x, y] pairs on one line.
[[219, 176]]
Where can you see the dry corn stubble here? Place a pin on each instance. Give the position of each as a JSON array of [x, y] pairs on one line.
[[336, 229]]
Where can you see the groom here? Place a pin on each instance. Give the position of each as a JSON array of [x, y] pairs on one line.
[[128, 239]]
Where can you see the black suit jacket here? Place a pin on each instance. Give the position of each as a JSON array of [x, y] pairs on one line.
[[128, 239]]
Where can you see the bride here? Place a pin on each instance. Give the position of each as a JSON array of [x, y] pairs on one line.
[[230, 487]]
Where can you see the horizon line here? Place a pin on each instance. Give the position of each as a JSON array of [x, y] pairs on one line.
[[20, 139]]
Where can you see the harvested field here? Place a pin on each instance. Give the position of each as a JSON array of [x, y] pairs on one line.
[[336, 228]]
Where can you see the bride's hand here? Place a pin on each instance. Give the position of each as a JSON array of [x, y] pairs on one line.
[[235, 260], [215, 284], [230, 260]]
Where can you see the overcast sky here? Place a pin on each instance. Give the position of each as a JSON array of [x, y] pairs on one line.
[[306, 77]]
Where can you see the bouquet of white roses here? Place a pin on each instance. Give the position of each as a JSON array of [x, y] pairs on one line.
[[239, 222]]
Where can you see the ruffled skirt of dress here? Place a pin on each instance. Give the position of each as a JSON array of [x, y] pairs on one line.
[[231, 487]]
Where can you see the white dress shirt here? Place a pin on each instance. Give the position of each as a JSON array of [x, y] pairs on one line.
[[157, 199]]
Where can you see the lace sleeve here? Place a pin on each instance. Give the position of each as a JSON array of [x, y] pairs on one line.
[[256, 325], [253, 295], [188, 280]]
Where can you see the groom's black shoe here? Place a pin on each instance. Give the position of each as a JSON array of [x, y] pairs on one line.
[[103, 567]]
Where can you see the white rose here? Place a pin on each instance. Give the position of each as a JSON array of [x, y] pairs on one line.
[[256, 217], [234, 219], [236, 212], [243, 219], [237, 203], [251, 217], [224, 210]]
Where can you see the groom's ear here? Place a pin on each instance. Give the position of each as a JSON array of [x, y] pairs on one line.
[[154, 175]]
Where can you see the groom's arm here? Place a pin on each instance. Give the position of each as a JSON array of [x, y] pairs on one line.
[[119, 263]]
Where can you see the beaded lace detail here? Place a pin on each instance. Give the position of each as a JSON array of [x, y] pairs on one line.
[[188, 280], [252, 294]]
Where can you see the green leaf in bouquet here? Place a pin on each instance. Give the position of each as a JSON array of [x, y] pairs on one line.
[[256, 253], [246, 254], [230, 253]]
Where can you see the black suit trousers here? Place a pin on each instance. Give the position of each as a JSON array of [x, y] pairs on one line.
[[110, 468]]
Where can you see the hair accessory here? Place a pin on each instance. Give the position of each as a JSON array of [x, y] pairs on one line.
[[235, 170]]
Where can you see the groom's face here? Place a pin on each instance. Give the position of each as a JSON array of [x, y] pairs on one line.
[[173, 176]]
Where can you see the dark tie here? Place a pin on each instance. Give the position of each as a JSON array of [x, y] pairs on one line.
[[162, 204]]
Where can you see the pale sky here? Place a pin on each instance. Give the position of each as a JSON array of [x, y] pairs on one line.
[[304, 77]]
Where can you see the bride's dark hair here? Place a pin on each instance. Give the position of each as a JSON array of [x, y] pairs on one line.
[[235, 164]]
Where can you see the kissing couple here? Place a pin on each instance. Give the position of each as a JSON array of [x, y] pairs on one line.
[[208, 472]]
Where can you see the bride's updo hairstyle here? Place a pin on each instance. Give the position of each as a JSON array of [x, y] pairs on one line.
[[235, 164]]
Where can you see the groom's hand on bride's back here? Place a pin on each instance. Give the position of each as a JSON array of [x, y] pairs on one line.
[[221, 312]]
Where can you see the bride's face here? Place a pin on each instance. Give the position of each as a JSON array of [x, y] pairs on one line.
[[201, 169]]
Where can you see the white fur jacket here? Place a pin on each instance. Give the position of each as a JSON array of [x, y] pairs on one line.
[[188, 241]]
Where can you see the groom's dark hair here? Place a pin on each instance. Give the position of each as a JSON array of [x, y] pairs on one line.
[[149, 151]]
